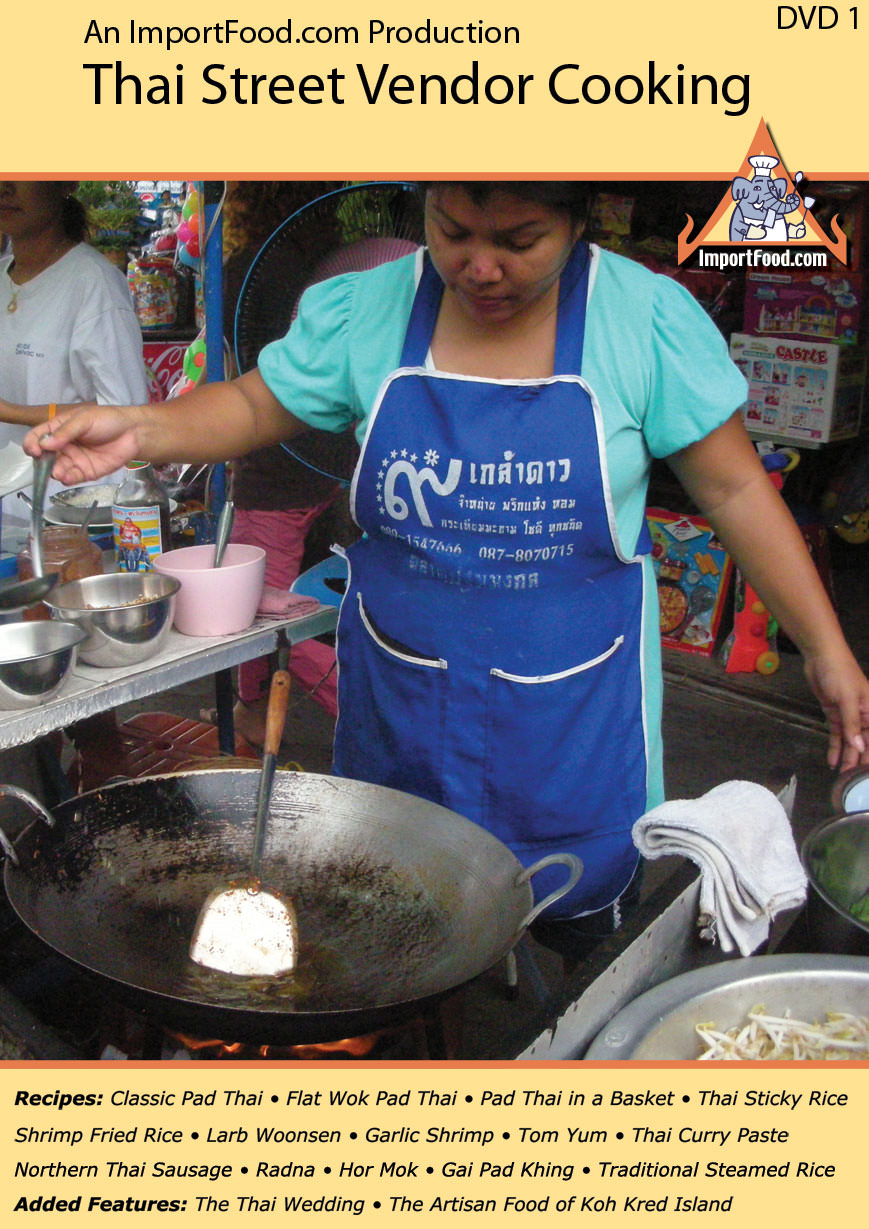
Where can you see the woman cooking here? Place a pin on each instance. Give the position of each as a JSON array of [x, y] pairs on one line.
[[498, 643]]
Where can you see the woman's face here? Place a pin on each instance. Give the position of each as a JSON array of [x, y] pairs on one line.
[[500, 258], [29, 208]]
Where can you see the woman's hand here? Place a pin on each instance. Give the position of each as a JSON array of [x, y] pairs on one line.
[[212, 423], [89, 441], [843, 692]]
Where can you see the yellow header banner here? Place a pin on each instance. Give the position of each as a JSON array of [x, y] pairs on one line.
[[673, 89]]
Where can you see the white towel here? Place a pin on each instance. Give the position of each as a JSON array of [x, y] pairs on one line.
[[740, 837]]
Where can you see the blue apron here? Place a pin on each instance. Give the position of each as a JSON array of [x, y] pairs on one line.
[[489, 642]]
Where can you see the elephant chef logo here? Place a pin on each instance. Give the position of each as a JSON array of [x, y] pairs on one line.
[[764, 204]]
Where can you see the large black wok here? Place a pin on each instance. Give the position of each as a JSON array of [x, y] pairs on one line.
[[399, 900]]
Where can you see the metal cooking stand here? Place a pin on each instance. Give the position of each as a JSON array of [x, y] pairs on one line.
[[91, 690]]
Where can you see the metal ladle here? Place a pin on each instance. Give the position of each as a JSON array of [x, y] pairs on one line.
[[224, 528], [23, 593]]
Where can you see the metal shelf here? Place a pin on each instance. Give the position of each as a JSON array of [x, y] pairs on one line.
[[90, 690]]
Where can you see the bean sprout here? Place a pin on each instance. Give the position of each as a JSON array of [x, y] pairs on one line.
[[840, 1036]]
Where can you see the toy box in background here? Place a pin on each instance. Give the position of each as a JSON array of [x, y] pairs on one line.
[[610, 221], [823, 304], [693, 571], [800, 391]]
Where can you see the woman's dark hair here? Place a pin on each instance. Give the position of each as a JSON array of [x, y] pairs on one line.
[[573, 196], [73, 217]]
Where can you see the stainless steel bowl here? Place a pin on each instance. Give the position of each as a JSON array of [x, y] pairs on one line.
[[126, 615], [836, 861], [660, 1024], [851, 791], [35, 660]]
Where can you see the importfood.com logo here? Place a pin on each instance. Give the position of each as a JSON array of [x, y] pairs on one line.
[[764, 220]]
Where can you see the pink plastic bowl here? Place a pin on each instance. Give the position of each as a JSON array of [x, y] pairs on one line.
[[215, 601]]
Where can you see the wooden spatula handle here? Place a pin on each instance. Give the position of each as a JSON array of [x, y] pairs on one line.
[[276, 714]]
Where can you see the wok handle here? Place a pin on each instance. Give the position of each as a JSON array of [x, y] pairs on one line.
[[15, 791], [574, 866], [8, 849]]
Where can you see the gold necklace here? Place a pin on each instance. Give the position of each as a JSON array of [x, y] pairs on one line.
[[12, 305]]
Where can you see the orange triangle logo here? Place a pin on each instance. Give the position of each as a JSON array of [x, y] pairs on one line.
[[763, 205]]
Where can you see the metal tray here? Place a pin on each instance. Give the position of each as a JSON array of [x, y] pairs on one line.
[[70, 506], [62, 512], [659, 1025]]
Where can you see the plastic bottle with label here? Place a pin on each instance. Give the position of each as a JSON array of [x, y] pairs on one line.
[[140, 518]]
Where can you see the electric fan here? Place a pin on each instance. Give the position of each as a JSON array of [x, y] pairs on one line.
[[349, 230]]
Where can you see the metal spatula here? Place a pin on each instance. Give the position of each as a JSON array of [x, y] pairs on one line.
[[244, 928]]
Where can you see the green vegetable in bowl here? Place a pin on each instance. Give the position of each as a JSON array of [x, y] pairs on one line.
[[834, 866], [860, 910]]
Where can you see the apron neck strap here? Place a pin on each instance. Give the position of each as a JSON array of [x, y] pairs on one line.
[[573, 295], [423, 316], [572, 301]]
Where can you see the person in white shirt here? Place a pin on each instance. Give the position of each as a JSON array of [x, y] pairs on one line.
[[68, 334], [68, 330]]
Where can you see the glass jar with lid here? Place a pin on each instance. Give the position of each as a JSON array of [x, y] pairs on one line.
[[66, 550]]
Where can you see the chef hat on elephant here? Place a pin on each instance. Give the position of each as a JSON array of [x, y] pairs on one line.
[[763, 164]]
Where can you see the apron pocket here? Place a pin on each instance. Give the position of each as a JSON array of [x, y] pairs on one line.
[[395, 648], [565, 754], [392, 710]]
